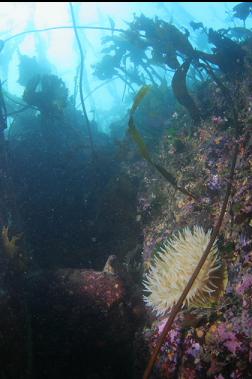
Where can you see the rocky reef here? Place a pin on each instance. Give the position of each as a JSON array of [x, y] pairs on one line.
[[181, 157], [215, 341]]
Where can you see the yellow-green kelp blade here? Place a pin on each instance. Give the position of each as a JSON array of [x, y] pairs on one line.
[[138, 140], [139, 97]]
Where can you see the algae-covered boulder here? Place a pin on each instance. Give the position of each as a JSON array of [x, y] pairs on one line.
[[73, 324]]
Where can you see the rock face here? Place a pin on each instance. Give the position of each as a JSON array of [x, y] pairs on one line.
[[12, 332], [77, 326]]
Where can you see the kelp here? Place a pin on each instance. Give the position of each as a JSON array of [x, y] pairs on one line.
[[51, 98], [242, 10], [229, 54], [134, 133], [139, 97], [87, 122], [150, 43], [143, 149], [237, 33], [30, 67], [196, 25], [181, 93], [3, 110]]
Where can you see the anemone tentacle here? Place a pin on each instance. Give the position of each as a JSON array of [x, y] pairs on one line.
[[173, 266]]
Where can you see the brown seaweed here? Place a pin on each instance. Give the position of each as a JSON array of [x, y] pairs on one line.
[[181, 93], [136, 136]]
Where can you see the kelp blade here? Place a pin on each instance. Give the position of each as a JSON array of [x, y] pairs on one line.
[[169, 177], [181, 93], [139, 97], [138, 140], [136, 136]]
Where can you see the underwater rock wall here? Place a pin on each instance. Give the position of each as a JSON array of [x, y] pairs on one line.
[[215, 341], [75, 208]]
